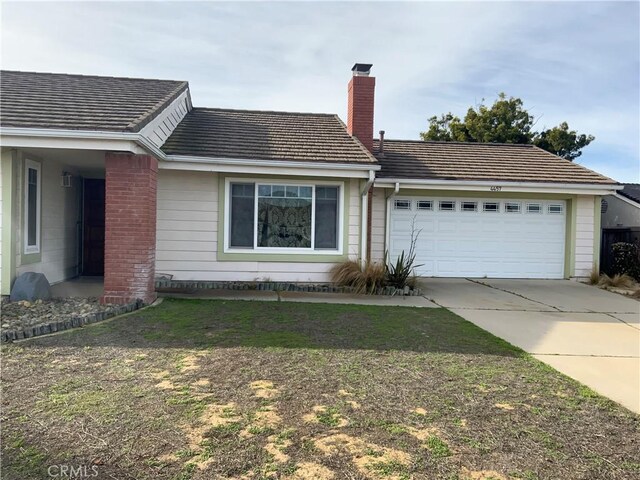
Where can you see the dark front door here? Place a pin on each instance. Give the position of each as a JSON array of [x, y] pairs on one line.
[[93, 221]]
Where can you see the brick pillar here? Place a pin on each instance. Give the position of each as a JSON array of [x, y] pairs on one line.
[[130, 224]]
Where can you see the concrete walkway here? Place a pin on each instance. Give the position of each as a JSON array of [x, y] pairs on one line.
[[584, 332], [307, 297]]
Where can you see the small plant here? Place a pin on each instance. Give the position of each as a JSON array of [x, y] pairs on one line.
[[617, 281], [594, 277], [367, 278], [401, 273]]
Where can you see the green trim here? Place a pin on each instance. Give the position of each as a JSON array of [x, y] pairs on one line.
[[597, 232], [281, 257], [8, 242]]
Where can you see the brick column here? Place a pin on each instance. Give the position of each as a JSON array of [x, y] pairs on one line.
[[130, 228]]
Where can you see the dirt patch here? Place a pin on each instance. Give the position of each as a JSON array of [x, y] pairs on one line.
[[189, 363], [263, 389], [213, 416], [275, 447], [364, 455], [165, 385], [311, 471], [420, 411], [423, 434], [482, 475], [353, 404], [326, 416], [344, 393], [202, 382], [504, 406]]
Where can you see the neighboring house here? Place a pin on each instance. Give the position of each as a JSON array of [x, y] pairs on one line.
[[620, 223], [623, 208], [125, 178]]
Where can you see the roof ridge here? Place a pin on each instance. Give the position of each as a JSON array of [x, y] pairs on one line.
[[83, 75], [245, 110], [445, 142]]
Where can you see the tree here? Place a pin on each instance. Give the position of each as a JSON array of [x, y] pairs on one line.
[[506, 121]]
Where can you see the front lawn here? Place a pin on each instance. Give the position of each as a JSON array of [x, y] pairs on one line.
[[218, 389]]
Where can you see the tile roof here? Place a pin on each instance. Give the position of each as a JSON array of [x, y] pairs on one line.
[[417, 159], [82, 102], [260, 135], [631, 191]]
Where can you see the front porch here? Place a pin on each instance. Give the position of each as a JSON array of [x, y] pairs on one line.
[[86, 215]]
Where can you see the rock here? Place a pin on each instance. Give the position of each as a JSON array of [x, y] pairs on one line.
[[31, 286]]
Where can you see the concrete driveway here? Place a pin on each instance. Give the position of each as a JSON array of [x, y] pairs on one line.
[[586, 333]]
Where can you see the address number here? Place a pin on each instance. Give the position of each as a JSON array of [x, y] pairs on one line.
[[495, 189]]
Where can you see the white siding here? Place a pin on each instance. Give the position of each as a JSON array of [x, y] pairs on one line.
[[59, 249], [355, 212], [584, 260], [378, 225], [187, 235]]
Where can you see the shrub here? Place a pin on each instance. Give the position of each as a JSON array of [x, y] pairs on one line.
[[367, 278], [617, 281], [402, 273], [594, 277], [626, 259]]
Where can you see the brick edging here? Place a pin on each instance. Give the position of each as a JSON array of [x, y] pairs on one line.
[[278, 286], [69, 322]]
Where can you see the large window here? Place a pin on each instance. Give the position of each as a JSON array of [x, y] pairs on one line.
[[31, 207], [267, 216]]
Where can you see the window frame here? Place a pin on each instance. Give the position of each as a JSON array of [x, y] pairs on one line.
[[507, 204], [37, 166], [540, 210], [553, 205], [425, 209], [397, 200], [469, 202], [454, 204], [484, 207], [256, 249]]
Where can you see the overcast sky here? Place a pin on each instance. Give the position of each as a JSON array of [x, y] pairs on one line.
[[576, 61]]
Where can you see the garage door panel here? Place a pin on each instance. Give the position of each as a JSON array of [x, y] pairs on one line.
[[478, 244]]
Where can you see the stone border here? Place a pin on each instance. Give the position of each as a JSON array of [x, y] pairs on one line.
[[69, 322], [278, 287]]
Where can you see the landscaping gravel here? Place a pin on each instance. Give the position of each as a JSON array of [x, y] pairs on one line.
[[25, 319]]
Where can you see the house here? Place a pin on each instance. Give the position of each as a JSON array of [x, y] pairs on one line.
[[622, 209], [126, 178], [620, 223]]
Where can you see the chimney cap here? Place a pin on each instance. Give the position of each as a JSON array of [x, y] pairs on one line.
[[361, 69]]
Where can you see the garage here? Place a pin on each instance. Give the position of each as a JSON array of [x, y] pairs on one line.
[[481, 237]]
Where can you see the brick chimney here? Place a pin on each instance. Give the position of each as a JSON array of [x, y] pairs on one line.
[[360, 107]]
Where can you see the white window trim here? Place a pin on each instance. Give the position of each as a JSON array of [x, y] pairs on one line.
[[424, 209], [475, 206], [509, 203], [403, 200], [485, 203], [30, 164], [279, 250], [540, 208], [551, 205]]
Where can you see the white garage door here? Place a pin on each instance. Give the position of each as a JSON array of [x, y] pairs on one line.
[[481, 237]]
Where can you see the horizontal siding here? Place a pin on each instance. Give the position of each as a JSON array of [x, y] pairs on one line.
[[187, 235], [584, 233]]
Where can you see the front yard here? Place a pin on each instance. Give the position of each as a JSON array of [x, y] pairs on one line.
[[219, 389]]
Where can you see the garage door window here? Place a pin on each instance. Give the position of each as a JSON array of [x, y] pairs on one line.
[[447, 206], [469, 206], [555, 209], [402, 204], [491, 207], [534, 208], [512, 207], [425, 205]]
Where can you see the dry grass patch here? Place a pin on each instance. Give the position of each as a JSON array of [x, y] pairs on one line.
[[311, 471], [481, 475], [617, 281], [263, 389]]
